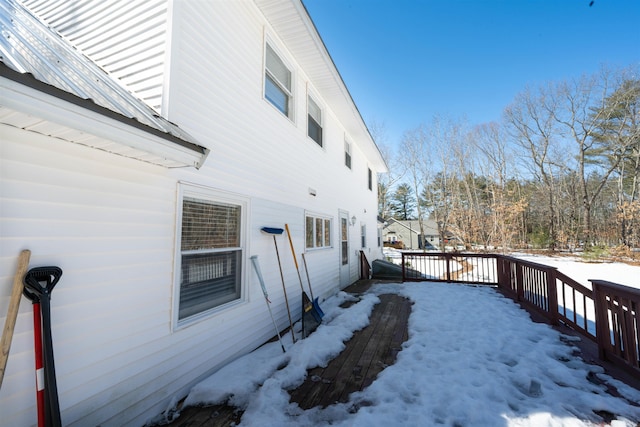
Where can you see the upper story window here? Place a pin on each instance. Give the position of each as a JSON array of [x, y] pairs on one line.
[[277, 83], [314, 121], [347, 154], [370, 178]]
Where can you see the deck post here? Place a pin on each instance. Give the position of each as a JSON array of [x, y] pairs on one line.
[[552, 295], [447, 261], [602, 322], [519, 281]]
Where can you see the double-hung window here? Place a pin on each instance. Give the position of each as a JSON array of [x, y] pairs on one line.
[[317, 231], [314, 121], [347, 154], [211, 253], [278, 83]]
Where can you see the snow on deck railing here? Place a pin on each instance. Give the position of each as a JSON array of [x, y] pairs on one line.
[[608, 314]]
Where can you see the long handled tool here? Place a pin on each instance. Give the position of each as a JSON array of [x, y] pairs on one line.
[[40, 282], [256, 266], [310, 317], [12, 313], [314, 301], [274, 232], [37, 345]]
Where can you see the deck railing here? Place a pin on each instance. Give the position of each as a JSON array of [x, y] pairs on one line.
[[365, 267], [607, 314], [618, 325]]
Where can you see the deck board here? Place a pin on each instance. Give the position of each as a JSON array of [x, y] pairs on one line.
[[365, 355]]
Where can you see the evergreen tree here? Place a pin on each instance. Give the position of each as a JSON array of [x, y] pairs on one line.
[[402, 203]]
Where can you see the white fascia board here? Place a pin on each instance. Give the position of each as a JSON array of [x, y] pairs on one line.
[[19, 97]]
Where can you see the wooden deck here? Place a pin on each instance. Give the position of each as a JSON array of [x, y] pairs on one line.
[[368, 352]]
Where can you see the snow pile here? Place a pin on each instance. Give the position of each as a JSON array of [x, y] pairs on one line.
[[473, 358]]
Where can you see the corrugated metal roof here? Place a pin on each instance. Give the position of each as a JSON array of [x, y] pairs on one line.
[[28, 46], [126, 38]]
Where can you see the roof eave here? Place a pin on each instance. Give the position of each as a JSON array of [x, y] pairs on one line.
[[24, 93]]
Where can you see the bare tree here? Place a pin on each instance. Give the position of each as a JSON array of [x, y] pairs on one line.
[[386, 181], [583, 109], [416, 156], [532, 124], [505, 204]]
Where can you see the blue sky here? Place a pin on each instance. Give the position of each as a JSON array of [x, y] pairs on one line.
[[405, 61]]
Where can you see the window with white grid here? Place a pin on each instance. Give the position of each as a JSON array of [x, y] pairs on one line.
[[317, 231]]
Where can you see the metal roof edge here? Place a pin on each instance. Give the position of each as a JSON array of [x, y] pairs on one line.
[[29, 80]]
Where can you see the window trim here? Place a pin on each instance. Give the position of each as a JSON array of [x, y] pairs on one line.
[[369, 178], [324, 218], [196, 191], [267, 73]]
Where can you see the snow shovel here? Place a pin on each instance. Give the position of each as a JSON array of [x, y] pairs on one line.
[[314, 301], [310, 317], [12, 313], [39, 283], [256, 267], [277, 231]]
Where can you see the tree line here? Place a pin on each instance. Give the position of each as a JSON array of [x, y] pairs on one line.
[[560, 170]]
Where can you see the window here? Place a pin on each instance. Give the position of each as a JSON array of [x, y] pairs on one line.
[[314, 121], [363, 235], [211, 253], [277, 83], [370, 178], [347, 154], [317, 232]]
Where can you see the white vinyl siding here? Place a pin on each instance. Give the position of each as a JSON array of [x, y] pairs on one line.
[[277, 83], [127, 39], [112, 224]]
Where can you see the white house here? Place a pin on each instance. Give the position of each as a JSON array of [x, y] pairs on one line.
[[152, 204]]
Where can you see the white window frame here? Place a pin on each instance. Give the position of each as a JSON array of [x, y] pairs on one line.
[[369, 179], [269, 75], [208, 194], [311, 103], [363, 235], [324, 221]]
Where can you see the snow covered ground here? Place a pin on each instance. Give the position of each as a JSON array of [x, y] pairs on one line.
[[473, 358], [574, 267]]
